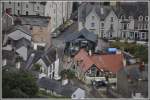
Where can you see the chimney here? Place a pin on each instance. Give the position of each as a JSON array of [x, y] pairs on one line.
[[102, 10], [8, 11], [90, 52], [141, 66], [124, 62], [118, 52]]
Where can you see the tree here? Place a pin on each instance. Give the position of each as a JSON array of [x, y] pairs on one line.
[[139, 51], [37, 67], [20, 84], [67, 73]]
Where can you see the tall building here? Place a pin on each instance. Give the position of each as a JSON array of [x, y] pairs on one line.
[[58, 11], [126, 20], [26, 8]]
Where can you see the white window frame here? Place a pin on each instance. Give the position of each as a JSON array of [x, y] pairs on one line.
[[140, 18]]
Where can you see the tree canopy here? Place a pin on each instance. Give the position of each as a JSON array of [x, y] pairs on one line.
[[19, 84]]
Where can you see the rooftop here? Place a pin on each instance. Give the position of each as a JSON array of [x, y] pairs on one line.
[[34, 20], [56, 86], [84, 32], [108, 62]]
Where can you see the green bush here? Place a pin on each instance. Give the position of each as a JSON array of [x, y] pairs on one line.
[[67, 73], [139, 51], [37, 67], [21, 84]]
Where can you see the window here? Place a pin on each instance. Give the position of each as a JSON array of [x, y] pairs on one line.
[[54, 11], [74, 96], [27, 13], [123, 17], [102, 25], [92, 24], [124, 26], [140, 18], [111, 27], [93, 17], [110, 34], [26, 6], [93, 71], [146, 26], [112, 19], [102, 33], [18, 12], [38, 8], [130, 17], [143, 35], [9, 2], [146, 18]]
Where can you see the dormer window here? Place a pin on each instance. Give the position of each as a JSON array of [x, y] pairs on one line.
[[92, 24], [140, 18], [146, 18], [93, 17], [122, 17], [130, 17]]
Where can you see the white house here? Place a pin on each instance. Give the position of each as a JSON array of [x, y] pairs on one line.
[[122, 20], [58, 11], [49, 62], [78, 94], [25, 8]]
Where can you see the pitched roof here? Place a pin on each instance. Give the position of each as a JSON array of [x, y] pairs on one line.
[[134, 9], [112, 62], [48, 57], [22, 51], [18, 32], [83, 56], [56, 86], [35, 20], [85, 33], [24, 29], [86, 8], [109, 62]]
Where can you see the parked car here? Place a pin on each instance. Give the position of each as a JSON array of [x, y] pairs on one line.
[[100, 84]]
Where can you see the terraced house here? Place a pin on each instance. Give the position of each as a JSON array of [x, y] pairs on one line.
[[120, 20]]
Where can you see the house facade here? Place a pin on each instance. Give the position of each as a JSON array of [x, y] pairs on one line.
[[25, 8], [81, 39], [58, 11], [49, 63], [95, 67], [40, 27], [122, 20]]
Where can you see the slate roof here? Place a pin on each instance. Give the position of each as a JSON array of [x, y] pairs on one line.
[[35, 20], [24, 29], [87, 7], [134, 9], [56, 86], [22, 42], [48, 57], [109, 62], [84, 32]]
